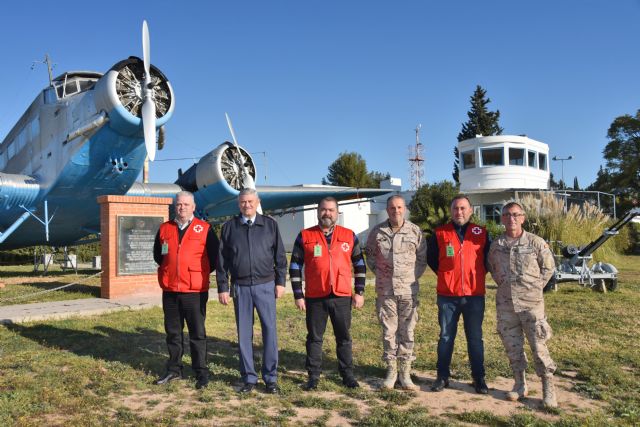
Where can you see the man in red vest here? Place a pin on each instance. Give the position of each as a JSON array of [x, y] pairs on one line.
[[328, 252], [456, 253], [186, 248]]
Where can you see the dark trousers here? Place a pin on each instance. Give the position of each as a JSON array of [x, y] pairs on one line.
[[472, 311], [191, 307], [338, 309], [262, 298]]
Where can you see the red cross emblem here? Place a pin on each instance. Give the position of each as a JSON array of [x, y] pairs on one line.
[[476, 230], [198, 228], [345, 247]]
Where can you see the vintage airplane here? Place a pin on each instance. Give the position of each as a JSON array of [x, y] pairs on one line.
[[87, 134]]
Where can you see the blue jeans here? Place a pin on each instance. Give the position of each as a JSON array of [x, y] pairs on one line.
[[262, 298], [472, 311]]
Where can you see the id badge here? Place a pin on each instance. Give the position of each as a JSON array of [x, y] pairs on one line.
[[450, 251], [317, 251], [165, 248]]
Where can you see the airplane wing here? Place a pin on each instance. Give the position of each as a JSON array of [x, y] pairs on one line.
[[17, 194], [280, 198]]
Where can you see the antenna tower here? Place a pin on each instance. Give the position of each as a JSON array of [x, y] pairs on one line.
[[416, 161]]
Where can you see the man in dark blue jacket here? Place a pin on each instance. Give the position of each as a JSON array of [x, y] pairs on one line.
[[252, 254]]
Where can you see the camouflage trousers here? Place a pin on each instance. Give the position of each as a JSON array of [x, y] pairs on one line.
[[512, 328], [398, 315]]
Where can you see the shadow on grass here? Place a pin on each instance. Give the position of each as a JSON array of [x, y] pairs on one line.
[[57, 273], [89, 290], [142, 348]]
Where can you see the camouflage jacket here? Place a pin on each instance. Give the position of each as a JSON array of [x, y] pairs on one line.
[[520, 271], [398, 260]]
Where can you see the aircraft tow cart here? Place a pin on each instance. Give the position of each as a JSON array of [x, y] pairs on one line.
[[573, 264]]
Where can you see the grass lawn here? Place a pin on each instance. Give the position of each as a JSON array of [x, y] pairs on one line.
[[99, 370]]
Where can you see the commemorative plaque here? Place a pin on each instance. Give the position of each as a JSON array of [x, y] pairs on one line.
[[136, 235]]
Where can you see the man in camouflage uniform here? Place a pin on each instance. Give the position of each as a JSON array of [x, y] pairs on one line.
[[521, 264], [396, 253]]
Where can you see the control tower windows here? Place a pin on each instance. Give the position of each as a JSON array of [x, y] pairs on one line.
[[492, 156], [516, 156], [468, 160], [542, 161], [532, 158]]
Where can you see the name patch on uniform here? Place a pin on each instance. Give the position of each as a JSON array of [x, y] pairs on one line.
[[165, 248], [317, 251], [450, 251]]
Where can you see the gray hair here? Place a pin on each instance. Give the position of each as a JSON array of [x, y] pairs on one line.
[[248, 192], [511, 205], [185, 193]]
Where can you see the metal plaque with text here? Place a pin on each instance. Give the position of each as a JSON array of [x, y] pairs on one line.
[[136, 235]]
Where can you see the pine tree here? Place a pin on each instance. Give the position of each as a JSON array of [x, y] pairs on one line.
[[481, 122]]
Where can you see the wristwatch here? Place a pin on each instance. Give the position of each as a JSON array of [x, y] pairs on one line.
[[360, 293]]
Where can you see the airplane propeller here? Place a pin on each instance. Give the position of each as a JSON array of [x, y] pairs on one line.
[[148, 103], [247, 180]]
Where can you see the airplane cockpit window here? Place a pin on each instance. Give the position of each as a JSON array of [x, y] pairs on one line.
[[86, 85], [73, 86]]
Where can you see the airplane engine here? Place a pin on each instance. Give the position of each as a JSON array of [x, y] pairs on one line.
[[119, 93], [217, 177]]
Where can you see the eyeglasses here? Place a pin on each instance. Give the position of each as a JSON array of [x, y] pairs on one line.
[[512, 215]]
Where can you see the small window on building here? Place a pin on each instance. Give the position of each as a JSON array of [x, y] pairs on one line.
[[35, 128], [542, 161], [468, 160], [492, 157], [516, 156], [492, 213], [532, 159]]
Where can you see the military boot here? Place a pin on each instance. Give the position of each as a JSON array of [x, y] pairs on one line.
[[392, 375], [405, 376], [548, 392], [519, 388]]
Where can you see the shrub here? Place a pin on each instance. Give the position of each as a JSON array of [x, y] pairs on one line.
[[575, 225]]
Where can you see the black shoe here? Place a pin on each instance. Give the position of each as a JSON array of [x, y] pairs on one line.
[[202, 383], [312, 384], [480, 386], [350, 382], [247, 388], [271, 388], [440, 384], [169, 376]]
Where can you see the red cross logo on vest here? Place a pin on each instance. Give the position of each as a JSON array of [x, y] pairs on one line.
[[476, 230], [345, 247], [198, 228]]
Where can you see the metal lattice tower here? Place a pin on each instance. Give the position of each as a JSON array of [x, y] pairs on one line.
[[416, 161]]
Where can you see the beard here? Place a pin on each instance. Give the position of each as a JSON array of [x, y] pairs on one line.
[[327, 222]]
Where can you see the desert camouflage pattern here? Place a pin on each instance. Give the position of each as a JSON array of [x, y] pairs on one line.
[[521, 270], [398, 316], [512, 328], [397, 259]]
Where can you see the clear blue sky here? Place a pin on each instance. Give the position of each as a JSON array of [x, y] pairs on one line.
[[306, 80]]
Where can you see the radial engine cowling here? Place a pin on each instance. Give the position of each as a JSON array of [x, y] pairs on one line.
[[218, 176], [119, 93]]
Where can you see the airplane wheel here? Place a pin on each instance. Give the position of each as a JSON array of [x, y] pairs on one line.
[[611, 284]]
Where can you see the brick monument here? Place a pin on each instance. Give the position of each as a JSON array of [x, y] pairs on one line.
[[128, 225]]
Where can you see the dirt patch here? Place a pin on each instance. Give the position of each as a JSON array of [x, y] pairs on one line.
[[457, 399]]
